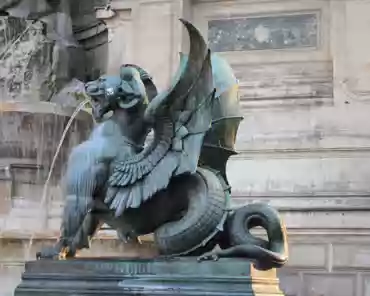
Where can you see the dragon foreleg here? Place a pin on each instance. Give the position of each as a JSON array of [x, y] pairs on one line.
[[78, 226]]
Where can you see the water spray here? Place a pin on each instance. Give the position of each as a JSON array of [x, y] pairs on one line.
[[46, 186]]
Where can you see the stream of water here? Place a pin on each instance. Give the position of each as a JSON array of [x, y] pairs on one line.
[[46, 185]]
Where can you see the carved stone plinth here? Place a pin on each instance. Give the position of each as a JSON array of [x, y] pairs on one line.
[[114, 276]]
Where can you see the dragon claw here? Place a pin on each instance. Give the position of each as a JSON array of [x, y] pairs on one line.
[[129, 237], [209, 256], [48, 253]]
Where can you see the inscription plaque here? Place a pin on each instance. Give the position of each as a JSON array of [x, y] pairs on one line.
[[261, 33], [133, 268]]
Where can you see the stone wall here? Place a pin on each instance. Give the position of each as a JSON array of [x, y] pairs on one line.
[[303, 68], [304, 141]]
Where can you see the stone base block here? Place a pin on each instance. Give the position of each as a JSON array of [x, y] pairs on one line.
[[116, 276]]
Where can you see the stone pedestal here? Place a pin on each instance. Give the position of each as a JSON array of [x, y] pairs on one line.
[[114, 276]]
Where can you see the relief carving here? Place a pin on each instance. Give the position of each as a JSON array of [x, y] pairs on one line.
[[263, 33]]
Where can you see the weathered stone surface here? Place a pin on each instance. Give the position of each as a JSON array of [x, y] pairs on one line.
[[29, 138], [290, 284], [72, 94], [36, 50], [305, 156], [349, 255], [31, 133], [293, 80], [330, 285], [365, 284], [307, 255], [10, 274], [258, 33], [26, 61]]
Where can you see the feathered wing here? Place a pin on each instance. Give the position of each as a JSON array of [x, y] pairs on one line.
[[181, 116]]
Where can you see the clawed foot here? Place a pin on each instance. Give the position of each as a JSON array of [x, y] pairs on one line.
[[55, 253], [129, 237], [208, 257], [48, 253]]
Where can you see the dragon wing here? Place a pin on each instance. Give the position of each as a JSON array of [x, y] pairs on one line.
[[180, 118]]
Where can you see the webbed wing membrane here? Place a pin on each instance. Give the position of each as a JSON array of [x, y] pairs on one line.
[[180, 116]]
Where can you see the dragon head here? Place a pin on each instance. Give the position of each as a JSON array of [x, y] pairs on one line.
[[127, 91]]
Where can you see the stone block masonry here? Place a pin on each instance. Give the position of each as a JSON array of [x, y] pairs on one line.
[[333, 265], [26, 61], [304, 143]]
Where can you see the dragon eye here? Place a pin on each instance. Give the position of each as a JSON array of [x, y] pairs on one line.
[[109, 91]]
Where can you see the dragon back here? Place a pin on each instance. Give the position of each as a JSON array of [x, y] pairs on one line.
[[219, 141]]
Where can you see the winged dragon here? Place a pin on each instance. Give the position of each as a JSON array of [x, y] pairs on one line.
[[175, 186]]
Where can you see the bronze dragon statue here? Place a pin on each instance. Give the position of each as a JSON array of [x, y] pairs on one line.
[[175, 186]]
